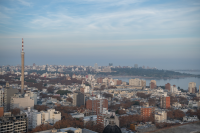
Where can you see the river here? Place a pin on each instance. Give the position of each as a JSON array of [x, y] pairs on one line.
[[181, 82]]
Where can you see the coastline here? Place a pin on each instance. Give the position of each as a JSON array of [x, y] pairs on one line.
[[144, 77]]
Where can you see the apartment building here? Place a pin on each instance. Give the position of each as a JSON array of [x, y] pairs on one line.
[[165, 102], [8, 93], [160, 116], [13, 124], [152, 84], [36, 118], [146, 112], [78, 99], [192, 87], [94, 104], [167, 86], [21, 101], [1, 97]]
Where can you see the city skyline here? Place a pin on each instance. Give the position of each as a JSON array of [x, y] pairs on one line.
[[151, 33]]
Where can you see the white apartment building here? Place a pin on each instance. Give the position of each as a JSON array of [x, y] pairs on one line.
[[135, 82], [36, 118], [192, 87], [173, 89], [21, 102], [160, 116]]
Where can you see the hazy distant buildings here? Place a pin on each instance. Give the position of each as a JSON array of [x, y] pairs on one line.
[[95, 66], [78, 99], [8, 93], [137, 82], [135, 65], [192, 87], [167, 86], [106, 69]]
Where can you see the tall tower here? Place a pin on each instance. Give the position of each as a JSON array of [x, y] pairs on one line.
[[22, 68]]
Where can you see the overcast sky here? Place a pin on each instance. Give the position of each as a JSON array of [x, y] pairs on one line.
[[155, 33]]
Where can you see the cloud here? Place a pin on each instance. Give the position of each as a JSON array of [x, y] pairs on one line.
[[25, 3]]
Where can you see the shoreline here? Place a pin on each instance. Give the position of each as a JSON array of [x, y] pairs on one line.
[[144, 77]]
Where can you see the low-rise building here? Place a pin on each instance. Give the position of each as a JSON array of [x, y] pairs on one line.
[[190, 119]]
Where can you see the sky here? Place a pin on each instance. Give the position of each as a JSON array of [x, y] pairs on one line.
[[157, 33]]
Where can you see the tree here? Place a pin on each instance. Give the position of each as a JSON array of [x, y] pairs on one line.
[[69, 99], [41, 107], [152, 102], [63, 92], [50, 89], [15, 111]]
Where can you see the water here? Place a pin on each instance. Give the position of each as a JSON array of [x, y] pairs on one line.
[[182, 83]]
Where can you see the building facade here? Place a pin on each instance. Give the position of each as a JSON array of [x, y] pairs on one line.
[[14, 124], [78, 99], [8, 93], [167, 86], [1, 97], [152, 84], [36, 118], [160, 116], [165, 102], [95, 104], [135, 82], [173, 89], [21, 102], [146, 112], [192, 87]]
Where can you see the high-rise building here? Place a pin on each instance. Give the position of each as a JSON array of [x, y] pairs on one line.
[[165, 102], [192, 87], [1, 111], [8, 93], [14, 124], [1, 97], [152, 84], [78, 99], [167, 86], [94, 104], [22, 68], [173, 89]]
